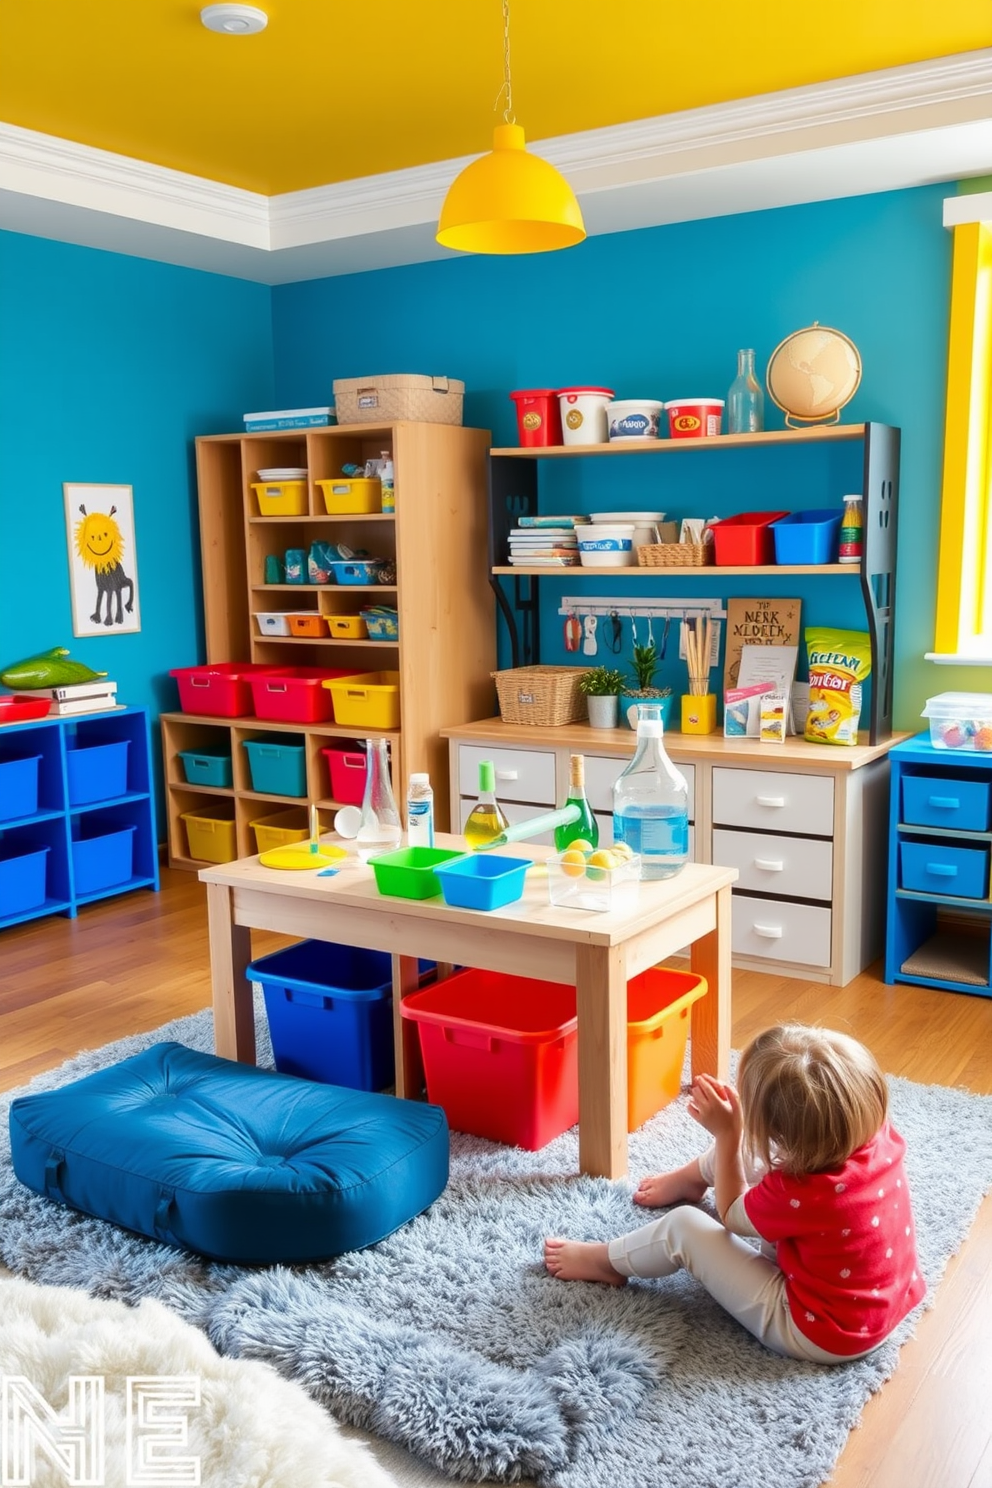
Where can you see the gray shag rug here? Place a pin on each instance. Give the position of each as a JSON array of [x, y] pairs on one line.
[[450, 1339]]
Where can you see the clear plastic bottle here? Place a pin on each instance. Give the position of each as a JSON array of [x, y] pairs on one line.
[[486, 821], [586, 829], [381, 828], [745, 400], [387, 482], [651, 802], [420, 811]]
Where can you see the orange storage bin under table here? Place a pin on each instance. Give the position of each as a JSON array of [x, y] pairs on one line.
[[501, 1052]]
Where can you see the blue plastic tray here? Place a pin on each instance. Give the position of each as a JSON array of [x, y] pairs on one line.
[[356, 572], [482, 881]]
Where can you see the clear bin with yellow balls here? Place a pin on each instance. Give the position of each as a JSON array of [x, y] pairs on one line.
[[602, 880]]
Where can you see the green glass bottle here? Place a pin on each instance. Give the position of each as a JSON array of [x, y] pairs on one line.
[[585, 829]]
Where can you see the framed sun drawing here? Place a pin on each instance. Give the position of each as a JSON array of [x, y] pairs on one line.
[[103, 563]]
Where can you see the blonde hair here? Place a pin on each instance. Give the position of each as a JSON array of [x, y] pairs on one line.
[[809, 1097]]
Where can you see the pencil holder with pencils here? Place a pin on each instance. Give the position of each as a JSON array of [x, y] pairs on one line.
[[699, 704]]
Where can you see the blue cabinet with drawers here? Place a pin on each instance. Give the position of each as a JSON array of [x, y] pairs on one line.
[[939, 911]]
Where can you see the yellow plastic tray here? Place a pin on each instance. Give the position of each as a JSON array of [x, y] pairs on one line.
[[281, 498], [344, 495], [211, 839], [370, 700]]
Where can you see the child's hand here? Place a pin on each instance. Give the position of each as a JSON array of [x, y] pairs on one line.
[[716, 1106]]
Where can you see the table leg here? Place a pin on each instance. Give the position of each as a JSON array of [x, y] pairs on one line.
[[711, 1015], [406, 1035], [230, 953], [601, 1000]]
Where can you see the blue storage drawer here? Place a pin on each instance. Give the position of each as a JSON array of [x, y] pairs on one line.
[[943, 801], [19, 787], [277, 769], [97, 772], [203, 767], [935, 868]]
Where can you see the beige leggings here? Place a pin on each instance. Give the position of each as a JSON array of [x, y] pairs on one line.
[[746, 1282]]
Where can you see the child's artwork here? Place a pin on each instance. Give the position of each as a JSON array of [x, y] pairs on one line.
[[102, 559]]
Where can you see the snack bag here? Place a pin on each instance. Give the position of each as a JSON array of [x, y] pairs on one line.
[[839, 661]]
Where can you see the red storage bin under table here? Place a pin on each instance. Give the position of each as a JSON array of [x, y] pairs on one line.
[[221, 689], [747, 539], [296, 694], [346, 768]]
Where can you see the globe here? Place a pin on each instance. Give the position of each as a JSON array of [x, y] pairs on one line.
[[813, 373]]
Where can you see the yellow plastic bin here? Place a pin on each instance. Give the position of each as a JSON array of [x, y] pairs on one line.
[[347, 627], [344, 495], [280, 828], [281, 498], [370, 700], [213, 838], [659, 1010]]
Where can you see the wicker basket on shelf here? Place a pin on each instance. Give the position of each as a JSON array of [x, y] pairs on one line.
[[675, 555], [545, 695]]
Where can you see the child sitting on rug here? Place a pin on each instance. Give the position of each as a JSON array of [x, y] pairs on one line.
[[803, 1159]]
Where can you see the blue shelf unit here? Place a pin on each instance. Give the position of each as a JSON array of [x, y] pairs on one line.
[[77, 815], [939, 909]]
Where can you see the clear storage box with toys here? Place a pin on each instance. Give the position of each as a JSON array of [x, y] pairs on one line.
[[600, 880], [960, 720]]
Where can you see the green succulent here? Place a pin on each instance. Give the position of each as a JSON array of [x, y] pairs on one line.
[[601, 681]]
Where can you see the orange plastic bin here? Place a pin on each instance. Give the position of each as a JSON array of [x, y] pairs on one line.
[[659, 1011]]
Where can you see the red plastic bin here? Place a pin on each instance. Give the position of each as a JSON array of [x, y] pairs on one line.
[[296, 694], [538, 416], [221, 689], [746, 539], [500, 1055], [347, 771]]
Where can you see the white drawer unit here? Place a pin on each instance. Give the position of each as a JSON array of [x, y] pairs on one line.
[[602, 774], [521, 774], [778, 930], [797, 867], [514, 812], [774, 801]]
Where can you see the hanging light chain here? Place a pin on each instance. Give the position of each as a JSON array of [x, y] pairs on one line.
[[508, 115]]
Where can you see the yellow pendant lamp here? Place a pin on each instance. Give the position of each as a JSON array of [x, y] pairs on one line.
[[509, 201]]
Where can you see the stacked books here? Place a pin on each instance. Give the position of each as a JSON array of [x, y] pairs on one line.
[[545, 542], [79, 697]]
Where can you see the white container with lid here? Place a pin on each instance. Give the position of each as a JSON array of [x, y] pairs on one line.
[[583, 414], [960, 720], [602, 546], [645, 524], [634, 418]]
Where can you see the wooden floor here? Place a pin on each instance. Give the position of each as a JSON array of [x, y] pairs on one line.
[[129, 964]]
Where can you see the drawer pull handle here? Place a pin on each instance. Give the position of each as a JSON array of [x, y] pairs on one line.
[[946, 803], [942, 870], [770, 800], [507, 774], [770, 865], [770, 932]]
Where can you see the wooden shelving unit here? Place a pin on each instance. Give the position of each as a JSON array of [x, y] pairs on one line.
[[437, 539]]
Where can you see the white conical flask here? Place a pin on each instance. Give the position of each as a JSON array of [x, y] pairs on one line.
[[651, 802], [381, 828]]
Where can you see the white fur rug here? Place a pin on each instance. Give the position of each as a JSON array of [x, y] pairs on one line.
[[252, 1429]]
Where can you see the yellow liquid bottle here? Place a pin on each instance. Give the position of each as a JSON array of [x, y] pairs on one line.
[[486, 821]]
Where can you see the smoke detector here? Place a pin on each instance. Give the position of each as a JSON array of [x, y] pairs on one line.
[[234, 20]]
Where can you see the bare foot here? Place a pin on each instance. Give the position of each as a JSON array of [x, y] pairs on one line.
[[684, 1185], [580, 1260]]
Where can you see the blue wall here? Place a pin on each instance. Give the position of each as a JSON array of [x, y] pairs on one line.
[[111, 365], [660, 313]]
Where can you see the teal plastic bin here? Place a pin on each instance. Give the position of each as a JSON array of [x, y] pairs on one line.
[[277, 768]]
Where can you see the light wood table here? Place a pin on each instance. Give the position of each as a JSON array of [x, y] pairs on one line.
[[595, 952]]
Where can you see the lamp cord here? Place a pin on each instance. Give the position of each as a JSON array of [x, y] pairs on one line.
[[508, 115]]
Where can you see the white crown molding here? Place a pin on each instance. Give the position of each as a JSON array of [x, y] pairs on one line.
[[906, 126]]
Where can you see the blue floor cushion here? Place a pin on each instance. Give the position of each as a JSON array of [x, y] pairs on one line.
[[235, 1163]]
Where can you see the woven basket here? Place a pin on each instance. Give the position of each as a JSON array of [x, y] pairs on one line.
[[675, 555], [400, 395], [544, 695]]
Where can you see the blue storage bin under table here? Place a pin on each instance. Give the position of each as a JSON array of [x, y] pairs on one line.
[[102, 858], [946, 801], [96, 772], [330, 1012], [206, 767], [807, 537], [19, 787], [936, 868], [277, 769], [22, 878]]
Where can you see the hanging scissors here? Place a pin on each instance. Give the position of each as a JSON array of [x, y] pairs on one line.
[[616, 633]]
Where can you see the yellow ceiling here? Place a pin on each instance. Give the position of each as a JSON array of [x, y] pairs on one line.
[[336, 89]]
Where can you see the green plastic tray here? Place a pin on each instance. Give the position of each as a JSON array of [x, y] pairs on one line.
[[409, 873]]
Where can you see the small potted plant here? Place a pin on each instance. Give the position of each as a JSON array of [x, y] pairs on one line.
[[601, 686], [645, 662]]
